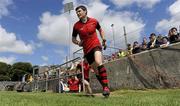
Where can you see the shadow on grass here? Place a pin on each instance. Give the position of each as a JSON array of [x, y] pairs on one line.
[[84, 95]]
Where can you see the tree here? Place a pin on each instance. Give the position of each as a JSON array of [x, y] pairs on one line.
[[23, 66], [19, 69], [4, 71], [17, 74], [3, 68]]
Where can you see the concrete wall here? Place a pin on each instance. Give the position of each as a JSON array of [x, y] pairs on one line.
[[157, 68], [4, 84]]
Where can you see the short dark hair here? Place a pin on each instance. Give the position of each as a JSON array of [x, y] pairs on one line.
[[128, 44], [136, 42], [174, 28], [82, 7], [152, 34]]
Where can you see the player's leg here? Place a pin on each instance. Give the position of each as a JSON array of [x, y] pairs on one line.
[[102, 72]]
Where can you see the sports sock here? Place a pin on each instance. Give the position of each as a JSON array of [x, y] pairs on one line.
[[103, 76]]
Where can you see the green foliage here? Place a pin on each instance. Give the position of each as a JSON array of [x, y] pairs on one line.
[[5, 72], [14, 72], [4, 69], [19, 69], [17, 74], [23, 66]]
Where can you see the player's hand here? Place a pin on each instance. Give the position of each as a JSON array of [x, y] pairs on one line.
[[104, 44], [80, 43]]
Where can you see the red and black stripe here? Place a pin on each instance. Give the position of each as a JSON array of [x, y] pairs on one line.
[[103, 76]]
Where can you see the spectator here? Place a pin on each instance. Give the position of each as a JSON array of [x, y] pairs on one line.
[[63, 86], [129, 47], [116, 55], [159, 39], [30, 78], [165, 42], [121, 53], [109, 58], [113, 56], [144, 44], [173, 35], [73, 84], [144, 41], [136, 48], [153, 42], [143, 47]]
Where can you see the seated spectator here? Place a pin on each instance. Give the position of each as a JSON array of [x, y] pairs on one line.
[[144, 41], [159, 39], [73, 84], [144, 44], [121, 53], [153, 42], [116, 55], [136, 48], [144, 47], [30, 78], [113, 57], [63, 86], [165, 42], [129, 48], [109, 58], [173, 35]]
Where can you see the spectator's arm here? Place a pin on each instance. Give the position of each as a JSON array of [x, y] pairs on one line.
[[91, 70]]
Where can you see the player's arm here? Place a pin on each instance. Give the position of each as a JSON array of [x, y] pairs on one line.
[[75, 41], [74, 37], [102, 34]]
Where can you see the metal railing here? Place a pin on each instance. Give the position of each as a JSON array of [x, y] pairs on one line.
[[49, 83]]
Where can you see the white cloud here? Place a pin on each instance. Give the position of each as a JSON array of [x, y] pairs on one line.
[[140, 3], [9, 43], [175, 8], [54, 28], [45, 58], [8, 60], [4, 7], [165, 24], [119, 19]]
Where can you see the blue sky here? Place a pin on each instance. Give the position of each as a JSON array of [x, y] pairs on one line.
[[37, 31]]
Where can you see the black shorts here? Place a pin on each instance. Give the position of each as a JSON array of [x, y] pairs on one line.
[[90, 56]]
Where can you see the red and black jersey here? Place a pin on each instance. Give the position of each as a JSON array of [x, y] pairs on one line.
[[87, 34]]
